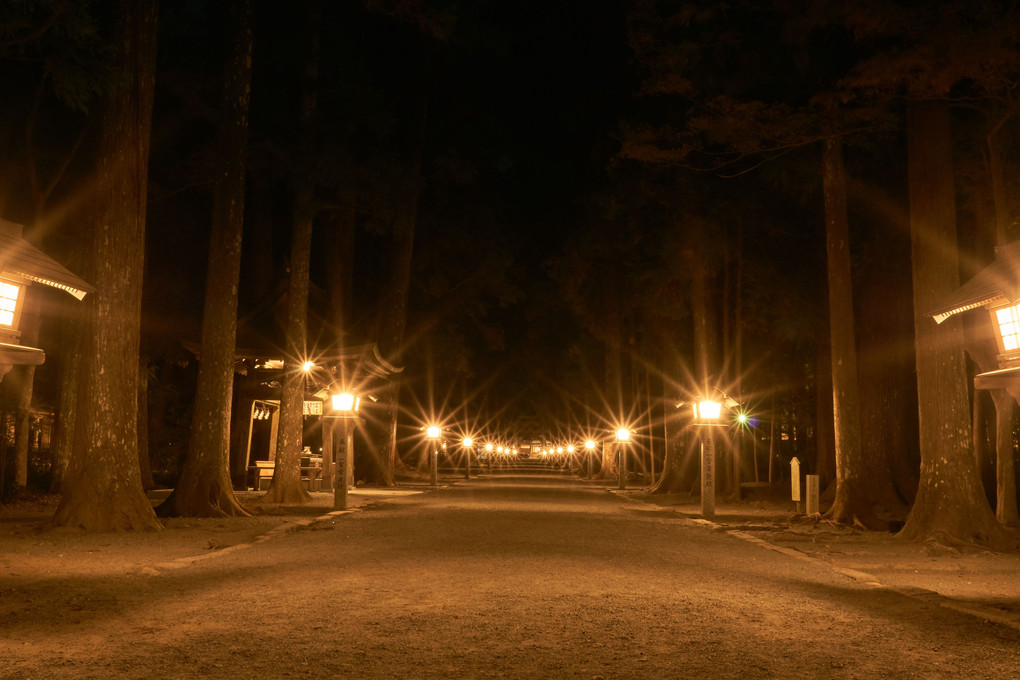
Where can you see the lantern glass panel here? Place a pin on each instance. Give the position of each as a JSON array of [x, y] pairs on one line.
[[1009, 327], [707, 410], [9, 294]]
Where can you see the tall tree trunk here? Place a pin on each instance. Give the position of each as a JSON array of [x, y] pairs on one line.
[[613, 374], [144, 464], [286, 485], [104, 490], [737, 363], [62, 441], [671, 479], [25, 379], [704, 355], [825, 436], [1005, 471], [392, 317], [340, 230], [1005, 405], [950, 502], [852, 504], [204, 488]]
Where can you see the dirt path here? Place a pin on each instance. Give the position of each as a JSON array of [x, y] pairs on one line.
[[531, 575]]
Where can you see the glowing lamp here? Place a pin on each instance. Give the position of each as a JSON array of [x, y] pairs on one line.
[[467, 442], [589, 445], [623, 435], [10, 304], [433, 431], [706, 409], [345, 402]]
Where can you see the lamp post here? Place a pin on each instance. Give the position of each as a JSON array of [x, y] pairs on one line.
[[622, 438], [432, 433], [339, 431], [706, 414], [466, 443], [589, 451]]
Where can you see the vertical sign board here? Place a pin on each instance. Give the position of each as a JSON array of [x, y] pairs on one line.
[[795, 479], [812, 494]]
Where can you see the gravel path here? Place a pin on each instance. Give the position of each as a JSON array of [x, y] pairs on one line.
[[529, 574]]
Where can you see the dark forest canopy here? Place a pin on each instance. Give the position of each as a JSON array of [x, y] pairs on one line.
[[568, 168], [528, 107]]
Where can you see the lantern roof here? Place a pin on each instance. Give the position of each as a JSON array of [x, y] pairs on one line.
[[996, 284], [19, 259]]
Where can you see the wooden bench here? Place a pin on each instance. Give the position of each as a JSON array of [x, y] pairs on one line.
[[310, 474], [263, 473]]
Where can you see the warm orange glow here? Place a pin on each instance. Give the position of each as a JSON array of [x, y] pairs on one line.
[[307, 366], [488, 447], [570, 448], [433, 431], [623, 435], [9, 294], [467, 442], [589, 445], [345, 402], [1009, 327], [707, 409]]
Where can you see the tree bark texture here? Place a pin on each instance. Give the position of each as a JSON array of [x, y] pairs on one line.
[[1005, 469], [852, 504], [950, 504], [104, 490], [204, 488]]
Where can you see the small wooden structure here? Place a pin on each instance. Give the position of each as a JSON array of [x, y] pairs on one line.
[[21, 265], [359, 368], [995, 289]]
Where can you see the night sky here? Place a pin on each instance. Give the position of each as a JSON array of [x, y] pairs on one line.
[[530, 220]]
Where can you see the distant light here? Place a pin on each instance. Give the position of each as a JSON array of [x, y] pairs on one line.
[[307, 366], [559, 449], [433, 431], [488, 447], [743, 418], [623, 435], [570, 448], [589, 444], [467, 442]]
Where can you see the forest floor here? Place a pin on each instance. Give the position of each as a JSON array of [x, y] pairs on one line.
[[982, 585], [969, 578]]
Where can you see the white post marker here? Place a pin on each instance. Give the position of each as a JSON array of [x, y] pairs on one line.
[[812, 494], [795, 481]]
